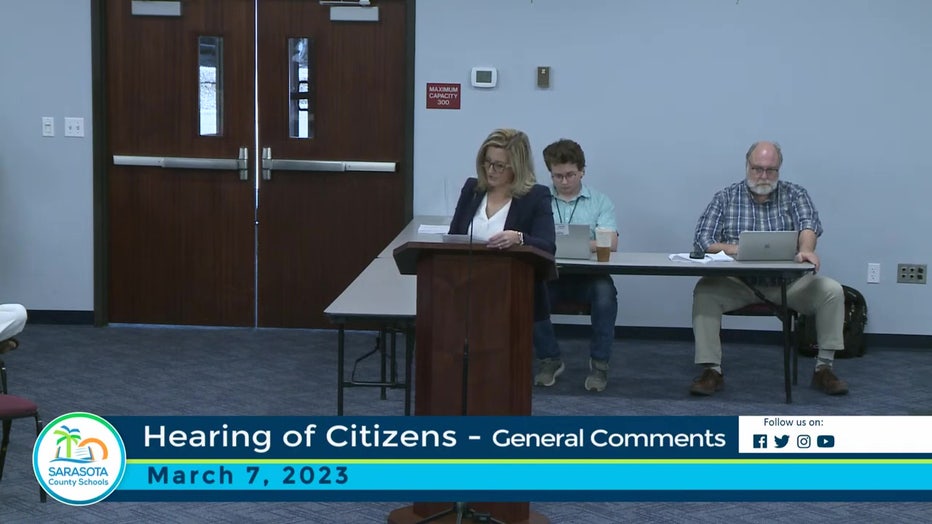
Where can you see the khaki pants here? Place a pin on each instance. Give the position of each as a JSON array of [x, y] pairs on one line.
[[12, 320], [808, 295]]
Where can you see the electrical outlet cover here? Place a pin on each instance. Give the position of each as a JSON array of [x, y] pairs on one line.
[[911, 273]]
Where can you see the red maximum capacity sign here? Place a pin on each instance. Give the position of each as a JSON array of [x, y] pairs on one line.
[[443, 96]]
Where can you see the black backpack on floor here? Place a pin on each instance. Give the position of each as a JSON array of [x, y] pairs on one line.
[[855, 319]]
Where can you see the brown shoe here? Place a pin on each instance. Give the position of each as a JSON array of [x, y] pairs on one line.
[[825, 381], [708, 383], [8, 345]]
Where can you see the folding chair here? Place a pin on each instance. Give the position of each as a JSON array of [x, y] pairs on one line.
[[14, 407]]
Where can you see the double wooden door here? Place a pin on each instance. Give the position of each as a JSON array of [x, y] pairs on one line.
[[257, 158]]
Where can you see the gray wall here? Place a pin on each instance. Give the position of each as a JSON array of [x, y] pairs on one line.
[[46, 201], [664, 95]]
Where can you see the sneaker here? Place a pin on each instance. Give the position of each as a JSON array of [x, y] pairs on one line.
[[708, 383], [598, 375], [825, 381], [550, 369]]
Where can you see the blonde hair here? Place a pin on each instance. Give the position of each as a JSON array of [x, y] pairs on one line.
[[518, 147]]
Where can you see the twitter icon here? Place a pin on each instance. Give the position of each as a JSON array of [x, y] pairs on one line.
[[781, 442]]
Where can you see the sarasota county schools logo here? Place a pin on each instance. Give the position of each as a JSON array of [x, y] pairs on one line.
[[79, 459]]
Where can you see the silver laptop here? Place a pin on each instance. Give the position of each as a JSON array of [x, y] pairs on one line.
[[573, 241], [774, 246]]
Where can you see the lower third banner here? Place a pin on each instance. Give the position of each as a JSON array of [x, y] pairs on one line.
[[81, 458]]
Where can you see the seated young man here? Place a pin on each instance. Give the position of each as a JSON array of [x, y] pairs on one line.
[[578, 203]]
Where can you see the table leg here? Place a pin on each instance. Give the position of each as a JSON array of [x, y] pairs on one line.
[[340, 349], [383, 333], [393, 370], [785, 317], [409, 356]]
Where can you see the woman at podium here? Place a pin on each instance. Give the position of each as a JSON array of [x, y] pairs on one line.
[[504, 206]]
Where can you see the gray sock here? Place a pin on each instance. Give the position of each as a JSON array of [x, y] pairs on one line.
[[825, 358]]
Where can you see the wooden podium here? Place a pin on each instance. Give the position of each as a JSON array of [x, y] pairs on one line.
[[471, 294]]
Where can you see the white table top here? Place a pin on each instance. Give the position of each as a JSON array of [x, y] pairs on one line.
[[380, 291], [620, 263], [410, 234], [623, 263]]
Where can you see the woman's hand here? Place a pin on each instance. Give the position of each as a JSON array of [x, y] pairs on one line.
[[504, 240]]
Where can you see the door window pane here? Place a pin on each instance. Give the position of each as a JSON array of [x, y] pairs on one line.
[[210, 88], [300, 94]]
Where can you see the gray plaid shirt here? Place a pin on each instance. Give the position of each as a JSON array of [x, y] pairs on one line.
[[733, 210]]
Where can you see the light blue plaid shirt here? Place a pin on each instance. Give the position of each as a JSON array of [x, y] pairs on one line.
[[733, 210], [589, 207]]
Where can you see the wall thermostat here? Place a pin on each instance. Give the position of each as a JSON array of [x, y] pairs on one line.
[[484, 76]]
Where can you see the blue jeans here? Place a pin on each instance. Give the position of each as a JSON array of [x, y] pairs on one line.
[[598, 291]]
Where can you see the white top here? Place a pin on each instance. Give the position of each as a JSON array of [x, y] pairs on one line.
[[484, 227]]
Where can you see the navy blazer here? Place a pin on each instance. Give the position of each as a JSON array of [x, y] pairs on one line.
[[531, 214]]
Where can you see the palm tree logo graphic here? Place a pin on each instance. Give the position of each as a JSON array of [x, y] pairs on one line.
[[77, 449]]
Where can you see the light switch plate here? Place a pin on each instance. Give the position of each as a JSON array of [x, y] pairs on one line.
[[48, 126], [543, 77]]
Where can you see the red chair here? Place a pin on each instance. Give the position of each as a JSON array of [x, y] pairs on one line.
[[14, 407]]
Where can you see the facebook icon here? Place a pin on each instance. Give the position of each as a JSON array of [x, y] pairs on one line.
[[760, 441]]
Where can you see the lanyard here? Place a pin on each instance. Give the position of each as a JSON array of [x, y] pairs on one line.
[[559, 214]]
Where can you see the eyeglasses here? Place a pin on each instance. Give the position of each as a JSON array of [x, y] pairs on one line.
[[565, 177], [497, 167], [769, 171]]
